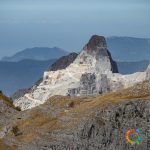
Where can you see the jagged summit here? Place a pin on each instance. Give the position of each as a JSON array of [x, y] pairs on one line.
[[95, 43], [97, 56], [96, 46]]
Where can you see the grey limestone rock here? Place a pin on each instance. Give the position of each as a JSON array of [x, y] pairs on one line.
[[107, 129], [87, 86], [97, 47]]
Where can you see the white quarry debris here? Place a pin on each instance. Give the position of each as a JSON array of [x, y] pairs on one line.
[[148, 72], [93, 59]]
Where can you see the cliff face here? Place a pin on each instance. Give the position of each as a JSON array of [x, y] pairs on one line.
[[93, 64], [107, 129], [63, 62], [97, 47], [96, 55]]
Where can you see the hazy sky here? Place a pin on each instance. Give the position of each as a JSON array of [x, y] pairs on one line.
[[68, 23]]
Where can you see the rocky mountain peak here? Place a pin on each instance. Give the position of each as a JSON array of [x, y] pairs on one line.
[[96, 45], [95, 42], [93, 72], [96, 54]]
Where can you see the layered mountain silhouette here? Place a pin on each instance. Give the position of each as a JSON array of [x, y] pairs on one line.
[[22, 74], [124, 49], [37, 53], [129, 49], [132, 67]]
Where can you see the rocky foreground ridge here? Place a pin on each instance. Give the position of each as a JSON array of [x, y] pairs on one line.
[[93, 72], [80, 123]]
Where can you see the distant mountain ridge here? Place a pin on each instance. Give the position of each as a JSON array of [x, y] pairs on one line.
[[129, 48], [60, 64], [123, 49], [132, 67], [22, 74], [37, 53]]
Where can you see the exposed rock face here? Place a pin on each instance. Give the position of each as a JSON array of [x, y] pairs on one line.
[[87, 86], [91, 73], [113, 63], [104, 84], [63, 62], [107, 129], [95, 42], [96, 56], [97, 47]]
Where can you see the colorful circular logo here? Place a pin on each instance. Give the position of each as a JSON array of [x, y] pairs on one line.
[[133, 137]]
